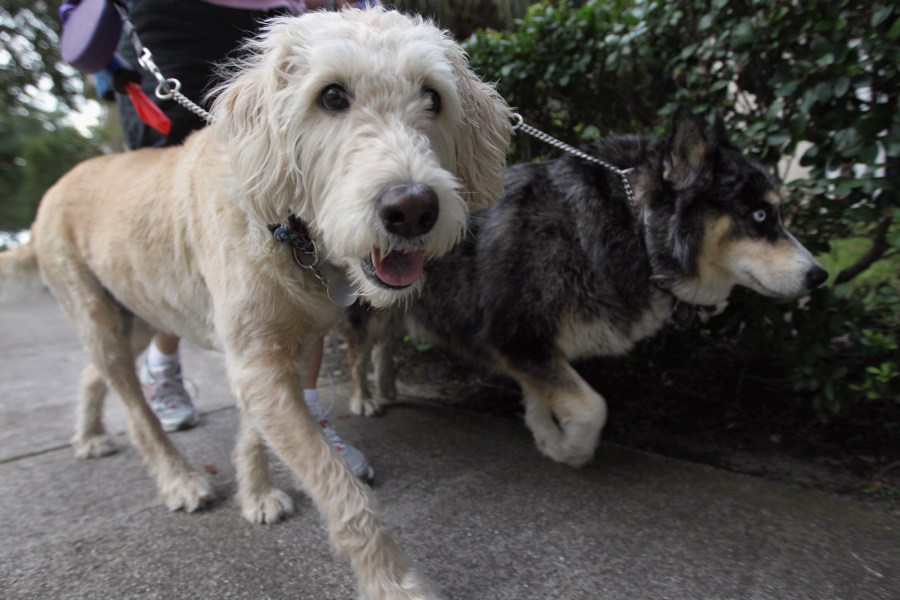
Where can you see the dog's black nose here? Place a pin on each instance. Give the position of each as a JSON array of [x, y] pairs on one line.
[[816, 277], [408, 209]]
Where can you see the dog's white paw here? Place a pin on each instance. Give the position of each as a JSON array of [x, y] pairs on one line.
[[187, 492], [94, 446], [572, 439], [364, 407], [573, 444], [265, 509], [414, 586], [559, 451]]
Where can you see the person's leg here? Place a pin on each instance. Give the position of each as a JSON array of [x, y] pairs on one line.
[[356, 459], [163, 384]]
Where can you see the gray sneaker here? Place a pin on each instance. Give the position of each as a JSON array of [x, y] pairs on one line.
[[355, 459], [168, 398]]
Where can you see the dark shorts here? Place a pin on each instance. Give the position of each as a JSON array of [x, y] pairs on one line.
[[187, 39]]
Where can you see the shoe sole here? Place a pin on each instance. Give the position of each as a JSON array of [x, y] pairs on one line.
[[368, 477], [181, 426]]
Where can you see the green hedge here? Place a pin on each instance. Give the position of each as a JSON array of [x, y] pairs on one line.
[[814, 79]]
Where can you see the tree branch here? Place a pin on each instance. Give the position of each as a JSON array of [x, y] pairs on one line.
[[879, 247]]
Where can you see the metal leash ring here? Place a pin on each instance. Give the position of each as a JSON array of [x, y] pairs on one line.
[[302, 258], [167, 88]]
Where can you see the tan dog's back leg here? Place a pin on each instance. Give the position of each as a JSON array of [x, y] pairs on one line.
[[91, 439], [105, 330]]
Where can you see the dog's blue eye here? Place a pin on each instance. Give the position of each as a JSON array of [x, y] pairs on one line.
[[759, 216], [334, 98], [434, 100]]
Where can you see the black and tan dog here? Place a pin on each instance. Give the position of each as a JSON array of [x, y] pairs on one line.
[[566, 266]]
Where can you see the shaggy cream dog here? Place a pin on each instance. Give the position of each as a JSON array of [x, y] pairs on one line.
[[370, 129]]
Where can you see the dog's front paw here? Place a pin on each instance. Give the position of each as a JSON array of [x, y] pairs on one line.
[[569, 443], [187, 492], [560, 452], [265, 509], [414, 586], [571, 439], [94, 446]]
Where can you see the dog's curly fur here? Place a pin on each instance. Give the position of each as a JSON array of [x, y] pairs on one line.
[[176, 240]]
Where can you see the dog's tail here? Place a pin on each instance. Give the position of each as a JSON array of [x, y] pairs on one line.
[[19, 274]]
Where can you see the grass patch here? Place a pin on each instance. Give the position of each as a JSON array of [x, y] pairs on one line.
[[845, 252]]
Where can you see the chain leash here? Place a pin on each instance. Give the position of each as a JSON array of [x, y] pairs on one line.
[[169, 88], [520, 125], [166, 88]]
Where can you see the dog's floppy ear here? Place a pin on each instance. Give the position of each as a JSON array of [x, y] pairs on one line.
[[245, 119], [687, 149], [484, 140]]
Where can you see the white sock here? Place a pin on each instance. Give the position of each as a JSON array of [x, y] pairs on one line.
[[157, 360]]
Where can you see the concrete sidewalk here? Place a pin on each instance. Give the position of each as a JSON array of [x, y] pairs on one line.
[[469, 497]]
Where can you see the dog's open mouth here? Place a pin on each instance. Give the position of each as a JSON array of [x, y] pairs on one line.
[[395, 270]]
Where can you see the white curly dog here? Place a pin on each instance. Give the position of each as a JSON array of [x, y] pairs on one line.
[[369, 128]]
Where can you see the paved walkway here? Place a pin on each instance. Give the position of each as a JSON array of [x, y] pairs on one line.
[[467, 493]]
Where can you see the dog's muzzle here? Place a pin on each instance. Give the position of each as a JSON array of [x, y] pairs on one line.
[[407, 210]]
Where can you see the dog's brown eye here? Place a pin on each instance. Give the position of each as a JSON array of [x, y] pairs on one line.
[[334, 98], [434, 101]]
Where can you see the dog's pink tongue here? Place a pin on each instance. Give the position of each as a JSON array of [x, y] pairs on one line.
[[398, 268]]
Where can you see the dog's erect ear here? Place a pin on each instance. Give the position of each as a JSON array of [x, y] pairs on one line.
[[687, 149], [482, 144]]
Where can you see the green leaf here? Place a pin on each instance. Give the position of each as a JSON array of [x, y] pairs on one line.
[[894, 31], [841, 87], [743, 34], [778, 139], [826, 60], [823, 92], [881, 15], [591, 132], [787, 89]]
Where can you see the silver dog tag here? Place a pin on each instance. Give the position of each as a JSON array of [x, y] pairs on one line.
[[341, 291]]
